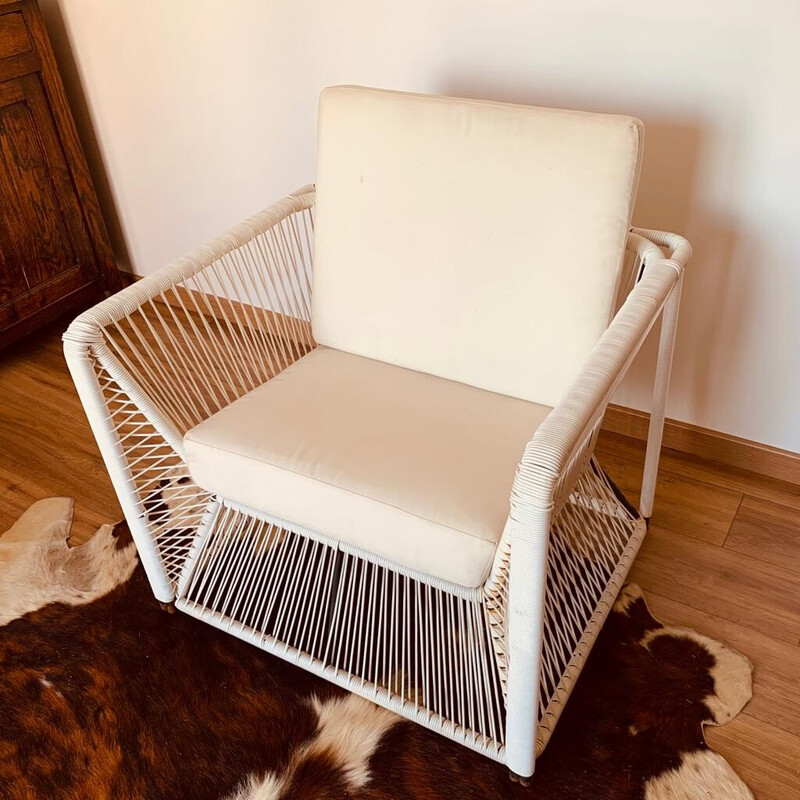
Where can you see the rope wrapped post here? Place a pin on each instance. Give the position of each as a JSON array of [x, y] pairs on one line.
[[81, 367], [526, 611], [546, 488]]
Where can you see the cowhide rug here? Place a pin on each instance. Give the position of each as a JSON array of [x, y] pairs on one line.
[[103, 695]]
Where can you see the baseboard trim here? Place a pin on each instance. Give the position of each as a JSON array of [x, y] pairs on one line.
[[693, 440]]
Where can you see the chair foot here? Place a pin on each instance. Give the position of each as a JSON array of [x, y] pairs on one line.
[[168, 607], [521, 779]]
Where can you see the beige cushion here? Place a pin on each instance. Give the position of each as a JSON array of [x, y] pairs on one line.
[[478, 241], [408, 466]]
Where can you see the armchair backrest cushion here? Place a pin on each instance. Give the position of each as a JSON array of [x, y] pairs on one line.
[[481, 242]]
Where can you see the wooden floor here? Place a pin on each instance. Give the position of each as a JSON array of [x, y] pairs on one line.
[[722, 555]]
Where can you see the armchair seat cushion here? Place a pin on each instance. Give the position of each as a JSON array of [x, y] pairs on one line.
[[408, 466]]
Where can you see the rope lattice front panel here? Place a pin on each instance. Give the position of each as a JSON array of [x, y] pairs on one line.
[[403, 643], [399, 639]]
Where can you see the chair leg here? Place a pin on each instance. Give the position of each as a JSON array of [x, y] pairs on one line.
[[666, 346], [521, 779]]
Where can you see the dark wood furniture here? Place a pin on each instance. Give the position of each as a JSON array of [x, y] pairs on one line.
[[54, 251]]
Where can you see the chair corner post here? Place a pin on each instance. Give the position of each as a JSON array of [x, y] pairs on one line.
[[526, 609], [666, 347]]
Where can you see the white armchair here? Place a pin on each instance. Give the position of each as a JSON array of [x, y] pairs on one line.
[[394, 485]]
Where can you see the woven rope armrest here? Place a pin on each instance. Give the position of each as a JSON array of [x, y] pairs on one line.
[[202, 331], [556, 457]]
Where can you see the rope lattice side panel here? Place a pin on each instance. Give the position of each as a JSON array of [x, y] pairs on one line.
[[592, 546], [593, 541], [169, 352], [172, 505]]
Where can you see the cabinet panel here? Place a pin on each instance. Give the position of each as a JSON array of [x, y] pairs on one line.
[[54, 251], [12, 279], [41, 219], [14, 38]]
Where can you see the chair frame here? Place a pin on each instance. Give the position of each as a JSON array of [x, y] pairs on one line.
[[170, 350]]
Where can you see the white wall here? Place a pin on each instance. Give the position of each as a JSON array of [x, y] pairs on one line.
[[196, 113]]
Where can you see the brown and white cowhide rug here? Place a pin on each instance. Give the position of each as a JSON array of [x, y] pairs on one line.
[[103, 695]]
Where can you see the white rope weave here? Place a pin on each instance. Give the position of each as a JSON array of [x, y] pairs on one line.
[[173, 349]]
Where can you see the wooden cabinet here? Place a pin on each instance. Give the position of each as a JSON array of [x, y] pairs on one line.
[[54, 250]]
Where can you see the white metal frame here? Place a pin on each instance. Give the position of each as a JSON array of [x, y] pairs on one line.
[[157, 358]]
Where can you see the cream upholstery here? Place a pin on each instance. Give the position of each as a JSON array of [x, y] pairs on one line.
[[478, 241], [405, 465]]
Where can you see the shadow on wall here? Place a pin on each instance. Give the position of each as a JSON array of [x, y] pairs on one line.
[[668, 199], [70, 75]]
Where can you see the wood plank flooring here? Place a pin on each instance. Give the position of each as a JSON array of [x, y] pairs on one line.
[[722, 555]]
